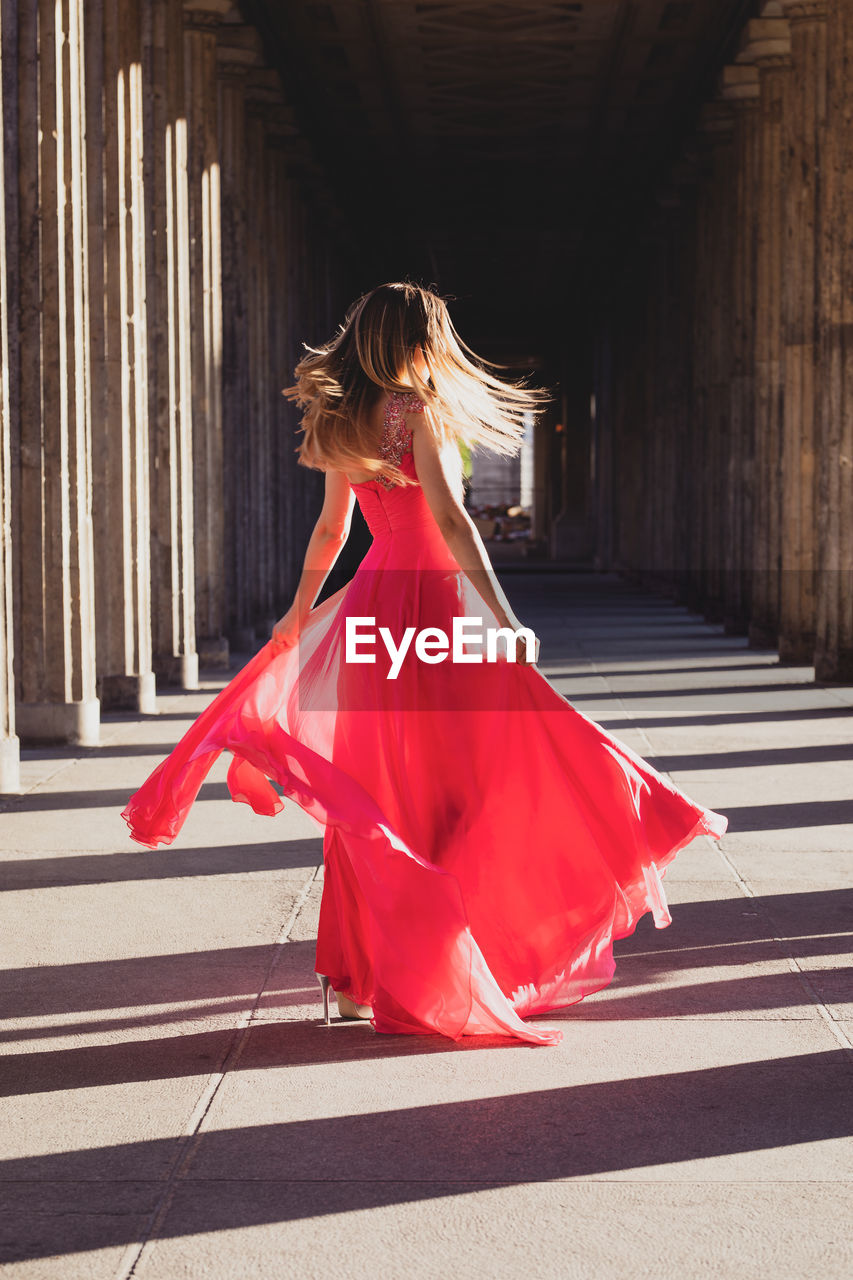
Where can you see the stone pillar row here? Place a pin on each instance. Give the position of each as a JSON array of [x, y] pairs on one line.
[[277, 272], [9, 743], [730, 476], [834, 366], [53, 547], [165, 248]]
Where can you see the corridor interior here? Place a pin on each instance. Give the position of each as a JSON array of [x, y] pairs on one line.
[[645, 206]]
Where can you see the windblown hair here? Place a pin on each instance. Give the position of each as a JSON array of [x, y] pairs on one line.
[[339, 384]]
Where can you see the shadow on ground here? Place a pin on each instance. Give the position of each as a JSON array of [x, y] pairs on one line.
[[270, 1173], [728, 932]]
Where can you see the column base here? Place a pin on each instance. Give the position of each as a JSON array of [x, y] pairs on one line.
[[570, 537], [177, 670], [796, 651], [763, 636], [244, 640], [213, 651], [10, 766], [695, 598], [834, 666], [129, 693], [189, 670], [714, 610], [77, 722]]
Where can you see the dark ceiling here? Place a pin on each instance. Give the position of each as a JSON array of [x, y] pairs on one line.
[[493, 148]]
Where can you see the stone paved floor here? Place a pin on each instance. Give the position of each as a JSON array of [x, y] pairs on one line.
[[172, 1108]]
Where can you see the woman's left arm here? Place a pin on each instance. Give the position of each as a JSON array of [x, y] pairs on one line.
[[438, 482], [324, 546]]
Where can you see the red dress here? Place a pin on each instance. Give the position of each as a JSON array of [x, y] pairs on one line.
[[484, 842]]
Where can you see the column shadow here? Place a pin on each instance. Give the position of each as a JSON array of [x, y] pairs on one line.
[[296, 1170]]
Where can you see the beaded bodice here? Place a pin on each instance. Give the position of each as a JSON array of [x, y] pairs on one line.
[[396, 439], [398, 515]]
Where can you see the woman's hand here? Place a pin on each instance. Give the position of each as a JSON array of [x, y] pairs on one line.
[[286, 630], [437, 478], [521, 644], [521, 651]]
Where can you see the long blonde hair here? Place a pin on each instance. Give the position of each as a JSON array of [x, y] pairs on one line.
[[339, 383]]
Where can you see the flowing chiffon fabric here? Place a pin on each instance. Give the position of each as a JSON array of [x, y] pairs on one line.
[[484, 842]]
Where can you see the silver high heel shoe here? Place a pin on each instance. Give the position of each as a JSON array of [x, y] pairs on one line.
[[347, 1009], [325, 987]]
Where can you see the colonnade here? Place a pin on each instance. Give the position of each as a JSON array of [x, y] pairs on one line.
[[168, 241], [166, 245], [723, 408]]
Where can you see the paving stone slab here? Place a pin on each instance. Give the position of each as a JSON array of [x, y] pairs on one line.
[[771, 1119], [551, 1230]]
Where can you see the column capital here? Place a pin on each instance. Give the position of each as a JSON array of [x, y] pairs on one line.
[[238, 49], [716, 120], [206, 13], [265, 100], [687, 170], [738, 84], [279, 123], [264, 86], [765, 42], [669, 206], [804, 10]]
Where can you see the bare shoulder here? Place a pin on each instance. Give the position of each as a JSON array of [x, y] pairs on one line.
[[422, 428], [417, 421], [439, 469]]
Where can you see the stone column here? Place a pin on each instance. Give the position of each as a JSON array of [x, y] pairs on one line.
[[294, 486], [288, 531], [766, 44], [301, 489], [119, 355], [688, 438], [649, 439], [672, 380], [544, 509], [263, 102], [603, 485], [175, 658], [714, 332], [54, 553], [739, 86], [683, 268], [201, 17], [833, 656], [633, 426], [658, 557], [289, 305], [10, 772], [570, 531], [629, 400], [696, 476], [806, 125], [238, 51]]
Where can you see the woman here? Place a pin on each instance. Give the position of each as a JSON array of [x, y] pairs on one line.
[[484, 842]]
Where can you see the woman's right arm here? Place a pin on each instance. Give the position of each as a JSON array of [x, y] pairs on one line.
[[324, 546], [457, 527]]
